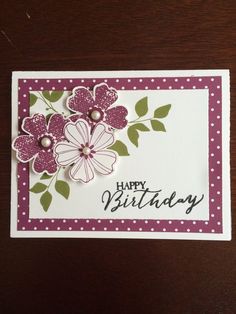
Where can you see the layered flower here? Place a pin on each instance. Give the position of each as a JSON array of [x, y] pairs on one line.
[[40, 140], [86, 151], [95, 106]]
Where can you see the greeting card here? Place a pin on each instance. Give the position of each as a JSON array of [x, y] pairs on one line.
[[121, 154]]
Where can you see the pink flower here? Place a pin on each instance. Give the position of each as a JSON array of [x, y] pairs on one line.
[[95, 107], [38, 144], [86, 152]]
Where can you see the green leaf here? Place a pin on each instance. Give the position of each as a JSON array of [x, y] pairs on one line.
[[141, 127], [45, 176], [46, 200], [48, 116], [56, 95], [46, 94], [120, 148], [133, 132], [162, 112], [62, 188], [158, 126], [33, 99], [38, 188], [53, 96], [133, 135], [141, 107]]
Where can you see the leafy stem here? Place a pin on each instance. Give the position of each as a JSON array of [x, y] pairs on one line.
[[53, 177], [49, 104], [61, 187], [137, 125], [138, 120]]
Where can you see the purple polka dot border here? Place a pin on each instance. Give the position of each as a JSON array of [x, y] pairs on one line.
[[213, 225]]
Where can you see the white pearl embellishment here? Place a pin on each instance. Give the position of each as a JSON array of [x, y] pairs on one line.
[[86, 150], [46, 142], [95, 115]]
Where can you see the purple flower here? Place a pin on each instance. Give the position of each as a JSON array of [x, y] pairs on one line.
[[95, 106], [38, 144]]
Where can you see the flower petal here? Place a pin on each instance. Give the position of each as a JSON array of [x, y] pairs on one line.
[[67, 154], [75, 117], [35, 125], [82, 171], [115, 117], [77, 133], [103, 161], [81, 100], [104, 96], [26, 146], [56, 125], [45, 161], [101, 137]]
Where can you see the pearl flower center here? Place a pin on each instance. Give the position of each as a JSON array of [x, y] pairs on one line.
[[46, 142], [95, 115], [86, 150]]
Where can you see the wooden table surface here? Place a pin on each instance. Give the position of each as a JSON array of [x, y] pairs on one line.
[[105, 275]]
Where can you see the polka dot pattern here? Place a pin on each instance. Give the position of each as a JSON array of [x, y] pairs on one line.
[[213, 225]]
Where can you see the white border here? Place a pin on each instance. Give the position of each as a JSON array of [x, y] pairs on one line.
[[226, 235]]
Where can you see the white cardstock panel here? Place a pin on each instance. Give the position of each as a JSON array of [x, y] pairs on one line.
[[175, 160]]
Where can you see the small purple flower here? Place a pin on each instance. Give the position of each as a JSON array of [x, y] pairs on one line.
[[95, 106], [40, 141]]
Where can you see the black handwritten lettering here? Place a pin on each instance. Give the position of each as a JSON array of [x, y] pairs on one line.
[[144, 197]]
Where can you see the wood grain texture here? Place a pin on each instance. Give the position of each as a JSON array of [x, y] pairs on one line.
[[114, 276]]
